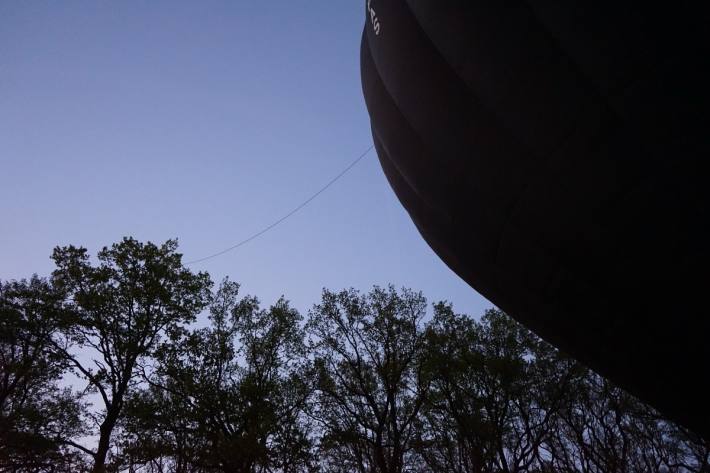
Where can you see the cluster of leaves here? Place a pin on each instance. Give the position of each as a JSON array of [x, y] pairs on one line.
[[229, 397], [103, 369], [36, 414]]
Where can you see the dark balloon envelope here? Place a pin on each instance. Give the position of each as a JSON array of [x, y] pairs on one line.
[[550, 153]]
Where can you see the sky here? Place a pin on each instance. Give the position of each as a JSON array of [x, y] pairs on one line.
[[206, 122]]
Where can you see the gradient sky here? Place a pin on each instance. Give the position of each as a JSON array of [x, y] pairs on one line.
[[204, 121]]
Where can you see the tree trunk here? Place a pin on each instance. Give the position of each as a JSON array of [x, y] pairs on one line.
[[105, 439]]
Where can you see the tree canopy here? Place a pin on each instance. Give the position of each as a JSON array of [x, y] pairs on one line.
[[133, 363]]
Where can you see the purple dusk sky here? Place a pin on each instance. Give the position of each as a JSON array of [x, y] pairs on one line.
[[204, 121]]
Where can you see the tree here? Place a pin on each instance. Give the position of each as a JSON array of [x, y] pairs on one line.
[[373, 390], [601, 428], [228, 397], [371, 387], [119, 310], [37, 416], [503, 400], [496, 389]]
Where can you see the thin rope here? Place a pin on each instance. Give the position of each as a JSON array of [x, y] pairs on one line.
[[296, 209]]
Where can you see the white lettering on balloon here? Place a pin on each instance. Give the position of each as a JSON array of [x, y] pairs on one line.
[[373, 18]]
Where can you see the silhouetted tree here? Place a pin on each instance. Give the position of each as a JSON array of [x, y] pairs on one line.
[[374, 390], [229, 397], [604, 429], [496, 389], [371, 388], [502, 400], [38, 418], [120, 308]]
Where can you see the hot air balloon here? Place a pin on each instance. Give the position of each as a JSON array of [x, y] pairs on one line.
[[551, 154]]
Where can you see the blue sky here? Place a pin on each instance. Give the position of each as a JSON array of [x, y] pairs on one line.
[[204, 121]]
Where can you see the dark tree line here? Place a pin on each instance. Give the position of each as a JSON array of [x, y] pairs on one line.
[[106, 367]]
